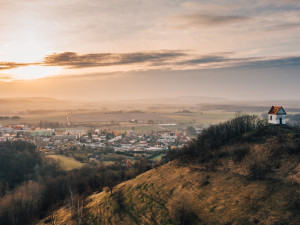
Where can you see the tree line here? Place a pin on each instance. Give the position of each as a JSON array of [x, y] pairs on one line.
[[10, 117]]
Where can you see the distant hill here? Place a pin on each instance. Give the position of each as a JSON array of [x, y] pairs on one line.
[[29, 103], [242, 107], [29, 99], [37, 103], [177, 100], [248, 175], [45, 103], [20, 104]]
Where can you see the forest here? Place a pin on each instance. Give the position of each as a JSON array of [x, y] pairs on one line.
[[32, 185]]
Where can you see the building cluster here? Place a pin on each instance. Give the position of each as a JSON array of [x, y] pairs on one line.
[[57, 139]]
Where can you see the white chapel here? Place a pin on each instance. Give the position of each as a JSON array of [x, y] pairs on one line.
[[277, 115]]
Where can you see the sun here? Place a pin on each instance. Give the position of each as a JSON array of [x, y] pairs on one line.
[[26, 48], [33, 72], [26, 44]]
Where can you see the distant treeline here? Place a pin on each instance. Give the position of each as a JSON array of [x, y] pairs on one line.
[[114, 112], [39, 112], [10, 117], [121, 112], [135, 111], [184, 111], [47, 124]]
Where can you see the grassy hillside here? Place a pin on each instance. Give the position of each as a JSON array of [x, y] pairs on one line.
[[251, 177], [66, 163], [211, 198]]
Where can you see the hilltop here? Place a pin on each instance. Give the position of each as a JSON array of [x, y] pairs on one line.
[[240, 172]]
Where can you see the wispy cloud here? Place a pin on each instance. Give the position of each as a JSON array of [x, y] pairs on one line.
[[283, 2], [12, 65], [284, 26], [272, 62], [220, 61], [206, 59], [199, 19], [73, 60], [5, 79], [212, 6]]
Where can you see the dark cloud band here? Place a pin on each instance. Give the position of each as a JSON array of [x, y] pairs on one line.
[[73, 60], [173, 60]]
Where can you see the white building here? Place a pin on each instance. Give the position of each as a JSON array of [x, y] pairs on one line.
[[277, 115], [167, 138]]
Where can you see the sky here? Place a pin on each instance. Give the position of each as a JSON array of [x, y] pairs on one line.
[[132, 49]]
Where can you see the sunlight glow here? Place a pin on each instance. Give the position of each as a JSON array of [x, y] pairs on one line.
[[33, 72], [25, 51], [27, 46]]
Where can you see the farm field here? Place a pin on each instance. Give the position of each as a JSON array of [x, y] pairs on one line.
[[163, 120], [149, 118], [102, 116], [50, 117], [157, 157], [203, 118]]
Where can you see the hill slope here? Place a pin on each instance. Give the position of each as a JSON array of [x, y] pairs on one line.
[[252, 180]]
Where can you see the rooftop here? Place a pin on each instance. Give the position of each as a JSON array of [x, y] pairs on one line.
[[277, 110]]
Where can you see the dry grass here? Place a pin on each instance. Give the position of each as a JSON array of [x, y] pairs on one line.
[[217, 198], [67, 163]]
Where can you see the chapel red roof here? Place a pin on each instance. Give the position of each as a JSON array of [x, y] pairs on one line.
[[275, 109]]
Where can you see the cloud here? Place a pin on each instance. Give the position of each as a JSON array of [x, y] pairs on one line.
[[73, 60], [206, 59], [199, 19], [223, 61], [12, 65], [5, 79], [212, 61], [151, 61], [282, 2], [285, 26], [272, 62], [212, 6]]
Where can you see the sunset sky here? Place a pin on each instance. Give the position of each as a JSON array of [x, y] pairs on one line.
[[131, 49]]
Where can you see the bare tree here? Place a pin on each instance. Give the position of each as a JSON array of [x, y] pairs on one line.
[[77, 205]]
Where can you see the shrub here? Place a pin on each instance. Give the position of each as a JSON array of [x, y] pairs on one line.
[[118, 196], [239, 153], [294, 149], [259, 171], [258, 160], [295, 204], [212, 138], [182, 209]]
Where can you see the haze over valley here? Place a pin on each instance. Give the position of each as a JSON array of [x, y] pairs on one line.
[[163, 112]]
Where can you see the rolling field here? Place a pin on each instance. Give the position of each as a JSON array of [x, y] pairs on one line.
[[102, 116], [182, 120]]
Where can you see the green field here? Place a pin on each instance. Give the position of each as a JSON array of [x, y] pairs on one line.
[[158, 157], [67, 163]]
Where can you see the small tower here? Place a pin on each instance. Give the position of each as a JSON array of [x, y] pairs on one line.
[[277, 115]]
